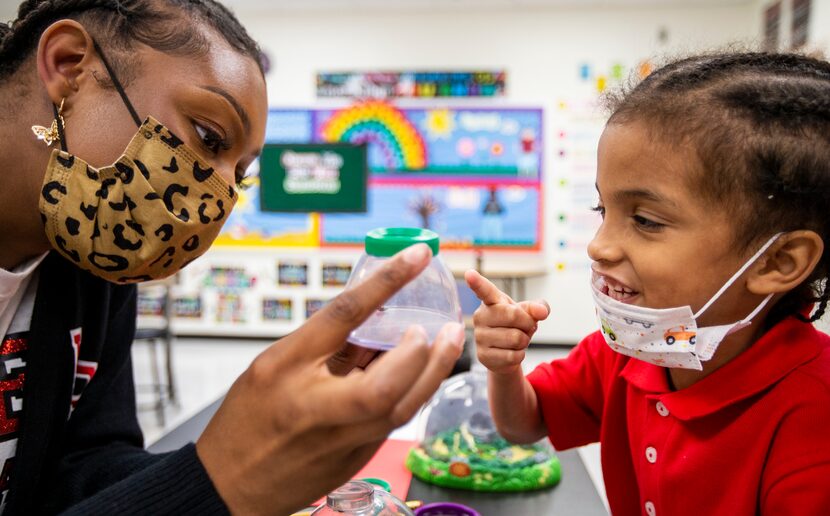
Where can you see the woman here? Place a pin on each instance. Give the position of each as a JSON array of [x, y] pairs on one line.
[[124, 123]]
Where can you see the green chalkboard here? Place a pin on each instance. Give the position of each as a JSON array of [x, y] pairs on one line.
[[324, 177]]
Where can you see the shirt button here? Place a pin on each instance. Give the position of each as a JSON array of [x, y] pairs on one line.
[[651, 454], [661, 409], [650, 509]]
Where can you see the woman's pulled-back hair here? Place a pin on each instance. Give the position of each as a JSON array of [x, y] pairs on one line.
[[759, 124], [166, 25]]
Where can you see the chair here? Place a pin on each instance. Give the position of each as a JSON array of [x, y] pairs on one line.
[[153, 329]]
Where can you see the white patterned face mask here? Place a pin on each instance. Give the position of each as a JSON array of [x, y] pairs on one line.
[[668, 337]]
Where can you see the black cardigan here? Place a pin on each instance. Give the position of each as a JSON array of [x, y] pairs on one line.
[[94, 461]]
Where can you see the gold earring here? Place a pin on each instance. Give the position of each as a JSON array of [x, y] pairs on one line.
[[52, 134]]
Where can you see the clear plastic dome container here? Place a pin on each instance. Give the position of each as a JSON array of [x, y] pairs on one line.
[[459, 446], [359, 498], [430, 300]]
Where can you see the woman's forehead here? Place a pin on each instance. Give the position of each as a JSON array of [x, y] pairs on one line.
[[220, 65], [222, 69]]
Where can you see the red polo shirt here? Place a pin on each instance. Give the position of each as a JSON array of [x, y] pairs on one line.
[[751, 438]]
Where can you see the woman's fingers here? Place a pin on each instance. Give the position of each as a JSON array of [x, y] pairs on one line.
[[443, 355], [370, 394], [328, 329], [397, 384], [350, 356]]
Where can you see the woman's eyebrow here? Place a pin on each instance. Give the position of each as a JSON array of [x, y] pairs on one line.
[[243, 115]]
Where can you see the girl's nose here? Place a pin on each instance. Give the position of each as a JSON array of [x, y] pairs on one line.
[[604, 246]]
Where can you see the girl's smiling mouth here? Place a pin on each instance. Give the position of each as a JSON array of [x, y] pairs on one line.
[[614, 288]]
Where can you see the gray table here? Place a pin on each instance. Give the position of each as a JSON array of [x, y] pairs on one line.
[[575, 495]]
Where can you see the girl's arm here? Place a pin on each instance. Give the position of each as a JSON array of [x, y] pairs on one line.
[[515, 407], [503, 329]]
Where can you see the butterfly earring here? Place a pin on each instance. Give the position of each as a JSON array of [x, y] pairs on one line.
[[54, 132]]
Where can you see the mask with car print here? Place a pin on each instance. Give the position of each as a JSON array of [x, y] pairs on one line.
[[667, 337]]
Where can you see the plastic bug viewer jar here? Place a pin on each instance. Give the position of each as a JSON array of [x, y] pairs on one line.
[[430, 300], [357, 498]]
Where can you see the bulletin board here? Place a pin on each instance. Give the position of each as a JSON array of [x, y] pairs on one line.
[[458, 217], [472, 174], [247, 225]]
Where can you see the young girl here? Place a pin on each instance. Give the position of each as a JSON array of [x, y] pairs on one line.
[[707, 385]]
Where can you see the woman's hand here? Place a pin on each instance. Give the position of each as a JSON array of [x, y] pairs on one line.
[[503, 328], [289, 430]]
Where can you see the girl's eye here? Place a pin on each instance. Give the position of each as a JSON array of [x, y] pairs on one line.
[[647, 224], [211, 140], [599, 209]]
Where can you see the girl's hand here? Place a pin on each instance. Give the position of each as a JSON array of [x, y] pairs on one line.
[[503, 328]]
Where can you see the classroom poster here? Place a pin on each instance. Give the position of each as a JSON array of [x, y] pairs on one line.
[[472, 174]]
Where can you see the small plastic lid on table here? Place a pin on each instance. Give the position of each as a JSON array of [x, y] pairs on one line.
[[445, 509]]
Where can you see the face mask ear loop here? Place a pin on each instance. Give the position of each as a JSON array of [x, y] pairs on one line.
[[748, 319], [735, 276], [117, 84]]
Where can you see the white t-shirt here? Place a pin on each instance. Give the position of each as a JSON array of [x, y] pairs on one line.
[[18, 288]]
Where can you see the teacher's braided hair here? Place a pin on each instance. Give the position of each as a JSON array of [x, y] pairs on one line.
[[759, 124], [164, 25]]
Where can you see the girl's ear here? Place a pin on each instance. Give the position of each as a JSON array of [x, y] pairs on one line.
[[787, 264]]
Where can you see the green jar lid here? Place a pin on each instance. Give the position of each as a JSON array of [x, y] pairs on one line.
[[383, 484], [385, 242]]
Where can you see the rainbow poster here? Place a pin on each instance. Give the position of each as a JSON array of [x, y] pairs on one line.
[[396, 142], [502, 145]]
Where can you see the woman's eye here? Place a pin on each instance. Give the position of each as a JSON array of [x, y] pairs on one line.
[[210, 138], [599, 209], [646, 224]]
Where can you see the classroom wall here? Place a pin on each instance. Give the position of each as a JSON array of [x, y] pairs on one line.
[[818, 33], [541, 49]]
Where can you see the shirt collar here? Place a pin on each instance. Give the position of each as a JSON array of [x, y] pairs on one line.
[[782, 349], [12, 280]]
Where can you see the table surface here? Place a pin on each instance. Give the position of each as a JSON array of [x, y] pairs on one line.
[[574, 495]]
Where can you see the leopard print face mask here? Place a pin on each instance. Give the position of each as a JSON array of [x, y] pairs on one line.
[[156, 209], [145, 217]]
